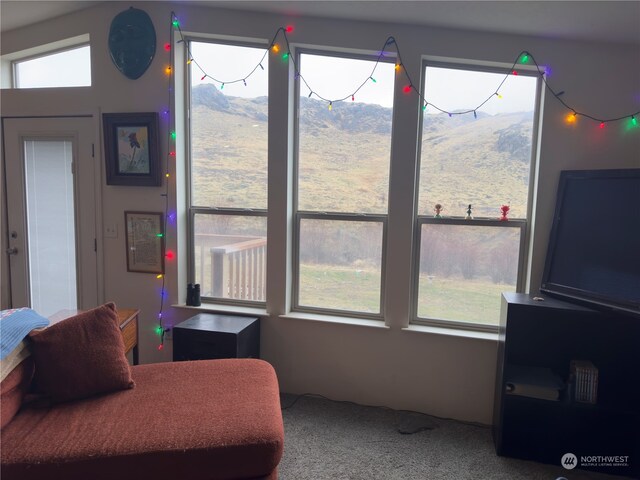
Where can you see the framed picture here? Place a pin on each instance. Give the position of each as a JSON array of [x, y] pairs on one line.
[[131, 149], [145, 242]]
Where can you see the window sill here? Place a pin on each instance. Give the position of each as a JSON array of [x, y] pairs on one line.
[[452, 332], [316, 317], [220, 308]]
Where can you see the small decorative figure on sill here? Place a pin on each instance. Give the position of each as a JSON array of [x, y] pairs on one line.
[[437, 208], [505, 210], [469, 217]]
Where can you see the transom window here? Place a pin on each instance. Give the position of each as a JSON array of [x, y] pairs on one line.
[[66, 68], [470, 167], [342, 183]]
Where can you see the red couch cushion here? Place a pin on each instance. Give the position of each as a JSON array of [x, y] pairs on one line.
[[81, 356], [13, 389], [209, 419]]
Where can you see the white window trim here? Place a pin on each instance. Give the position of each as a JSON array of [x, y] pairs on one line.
[[214, 303], [525, 225], [297, 310], [8, 61]]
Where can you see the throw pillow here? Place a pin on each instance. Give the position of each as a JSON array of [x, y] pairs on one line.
[[81, 356]]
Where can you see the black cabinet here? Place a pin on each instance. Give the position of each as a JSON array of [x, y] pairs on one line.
[[209, 336], [548, 334]]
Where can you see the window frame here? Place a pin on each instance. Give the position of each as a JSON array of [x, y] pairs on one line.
[[525, 225], [193, 210], [299, 215], [49, 53]]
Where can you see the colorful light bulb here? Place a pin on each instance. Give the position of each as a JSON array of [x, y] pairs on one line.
[[634, 121], [571, 118], [285, 56], [373, 80], [330, 106], [275, 48], [167, 47], [160, 347], [601, 125], [289, 29], [406, 89], [176, 23], [525, 57]]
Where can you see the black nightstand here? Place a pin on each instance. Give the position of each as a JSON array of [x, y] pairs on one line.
[[209, 336]]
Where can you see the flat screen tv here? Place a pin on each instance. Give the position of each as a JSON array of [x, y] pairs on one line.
[[593, 257]]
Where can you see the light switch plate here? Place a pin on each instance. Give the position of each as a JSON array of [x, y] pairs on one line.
[[111, 231]]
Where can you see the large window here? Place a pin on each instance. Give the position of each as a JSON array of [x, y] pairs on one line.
[[67, 68], [471, 165], [342, 183], [228, 172]]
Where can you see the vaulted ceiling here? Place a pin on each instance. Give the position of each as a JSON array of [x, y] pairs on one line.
[[604, 21]]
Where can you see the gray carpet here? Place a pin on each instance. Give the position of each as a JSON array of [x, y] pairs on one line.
[[342, 441]]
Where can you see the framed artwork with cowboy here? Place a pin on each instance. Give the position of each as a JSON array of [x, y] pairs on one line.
[[131, 149]]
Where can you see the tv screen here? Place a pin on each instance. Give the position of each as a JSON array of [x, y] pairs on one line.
[[593, 255]]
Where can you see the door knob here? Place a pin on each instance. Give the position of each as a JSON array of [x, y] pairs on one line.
[[12, 251]]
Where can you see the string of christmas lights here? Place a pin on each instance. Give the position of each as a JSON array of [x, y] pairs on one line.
[[523, 57], [171, 137]]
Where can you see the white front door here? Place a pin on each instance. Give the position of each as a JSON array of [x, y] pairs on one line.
[[51, 210]]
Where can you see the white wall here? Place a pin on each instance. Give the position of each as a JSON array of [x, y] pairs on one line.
[[442, 375]]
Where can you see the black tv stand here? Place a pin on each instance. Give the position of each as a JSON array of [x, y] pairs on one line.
[[549, 334]]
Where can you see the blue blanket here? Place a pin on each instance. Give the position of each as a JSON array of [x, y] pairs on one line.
[[16, 324]]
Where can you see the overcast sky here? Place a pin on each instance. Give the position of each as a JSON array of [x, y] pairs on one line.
[[335, 78]]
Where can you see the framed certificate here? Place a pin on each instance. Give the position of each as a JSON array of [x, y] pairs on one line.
[[145, 242]]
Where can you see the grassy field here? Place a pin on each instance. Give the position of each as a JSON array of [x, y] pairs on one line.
[[474, 301]]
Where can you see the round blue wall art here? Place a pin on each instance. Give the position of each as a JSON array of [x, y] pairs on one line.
[[132, 42]]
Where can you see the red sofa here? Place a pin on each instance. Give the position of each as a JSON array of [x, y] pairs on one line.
[[200, 420]]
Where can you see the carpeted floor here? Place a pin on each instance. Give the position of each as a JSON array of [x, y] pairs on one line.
[[342, 441]]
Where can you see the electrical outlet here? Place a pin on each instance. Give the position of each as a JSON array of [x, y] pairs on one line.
[[111, 231]]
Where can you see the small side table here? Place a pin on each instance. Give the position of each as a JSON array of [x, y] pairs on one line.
[[208, 336]]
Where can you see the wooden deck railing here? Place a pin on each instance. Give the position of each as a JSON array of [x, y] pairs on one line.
[[237, 266]]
